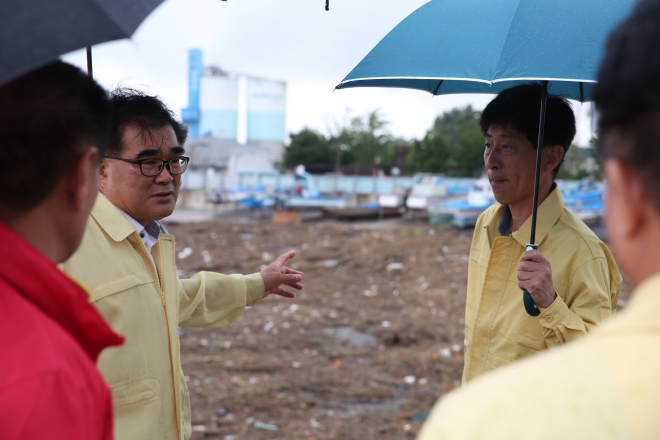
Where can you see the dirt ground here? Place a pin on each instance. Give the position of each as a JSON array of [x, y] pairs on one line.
[[363, 352]]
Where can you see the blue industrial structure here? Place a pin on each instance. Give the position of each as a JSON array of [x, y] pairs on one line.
[[191, 114]]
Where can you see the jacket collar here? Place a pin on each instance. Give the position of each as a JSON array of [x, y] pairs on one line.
[[111, 220], [40, 282], [547, 216]]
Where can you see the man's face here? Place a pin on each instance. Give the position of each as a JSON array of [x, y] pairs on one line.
[[143, 198], [510, 161]]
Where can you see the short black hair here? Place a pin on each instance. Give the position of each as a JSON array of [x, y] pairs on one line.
[[627, 95], [519, 108], [133, 107], [47, 118]]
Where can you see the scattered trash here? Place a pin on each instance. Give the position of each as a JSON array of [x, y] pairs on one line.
[[254, 380], [199, 428], [330, 263], [220, 411], [354, 338], [266, 257], [249, 420], [314, 424], [419, 417], [410, 380], [457, 347], [423, 381], [394, 266], [206, 256], [445, 352], [265, 426], [296, 364], [185, 253], [204, 342], [407, 427], [269, 326], [386, 324], [336, 365]]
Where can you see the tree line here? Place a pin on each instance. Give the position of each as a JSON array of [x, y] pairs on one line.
[[453, 146]]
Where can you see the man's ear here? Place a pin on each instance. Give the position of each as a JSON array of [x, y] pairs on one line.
[[82, 180], [103, 175], [553, 155], [626, 200]]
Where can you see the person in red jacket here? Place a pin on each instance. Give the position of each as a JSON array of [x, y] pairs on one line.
[[53, 130]]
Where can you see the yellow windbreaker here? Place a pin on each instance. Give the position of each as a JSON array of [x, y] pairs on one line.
[[146, 303], [498, 331], [605, 386]]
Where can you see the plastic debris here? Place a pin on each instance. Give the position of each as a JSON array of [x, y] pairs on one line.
[[336, 365], [296, 364], [314, 424], [457, 347], [199, 428], [419, 417], [386, 324], [185, 253], [445, 352], [265, 426], [394, 266], [266, 256], [410, 380], [423, 381], [407, 427]]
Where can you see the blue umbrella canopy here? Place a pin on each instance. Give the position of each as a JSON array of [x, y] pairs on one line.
[[486, 46]]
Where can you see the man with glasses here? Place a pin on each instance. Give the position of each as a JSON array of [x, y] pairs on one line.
[[127, 260]]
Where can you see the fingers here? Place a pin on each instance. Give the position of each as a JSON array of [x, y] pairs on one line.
[[284, 293], [535, 256], [287, 270], [285, 257]]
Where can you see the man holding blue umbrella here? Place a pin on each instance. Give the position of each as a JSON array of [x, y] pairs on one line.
[[606, 385], [572, 278]]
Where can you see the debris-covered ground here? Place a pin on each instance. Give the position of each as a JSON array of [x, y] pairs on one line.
[[364, 352]]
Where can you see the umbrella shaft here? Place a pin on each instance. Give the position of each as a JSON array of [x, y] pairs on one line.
[[539, 153], [89, 62]]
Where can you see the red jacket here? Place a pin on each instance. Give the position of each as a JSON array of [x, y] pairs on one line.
[[50, 339]]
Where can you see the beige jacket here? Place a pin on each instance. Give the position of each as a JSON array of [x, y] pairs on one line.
[[498, 331], [146, 303], [605, 386]]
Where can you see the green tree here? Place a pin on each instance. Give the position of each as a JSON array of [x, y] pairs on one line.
[[454, 146], [367, 139], [307, 147], [467, 155], [580, 162], [431, 154]]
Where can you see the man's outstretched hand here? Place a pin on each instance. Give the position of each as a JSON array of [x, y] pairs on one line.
[[277, 274]]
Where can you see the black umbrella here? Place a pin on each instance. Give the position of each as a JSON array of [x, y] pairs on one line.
[[36, 32]]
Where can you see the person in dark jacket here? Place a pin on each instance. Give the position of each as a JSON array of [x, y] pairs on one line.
[[53, 130]]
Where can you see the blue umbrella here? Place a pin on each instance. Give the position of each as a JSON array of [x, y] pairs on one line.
[[486, 46]]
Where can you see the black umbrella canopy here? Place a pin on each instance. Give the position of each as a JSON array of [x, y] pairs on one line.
[[36, 32]]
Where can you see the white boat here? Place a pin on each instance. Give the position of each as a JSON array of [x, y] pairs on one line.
[[463, 213], [426, 188]]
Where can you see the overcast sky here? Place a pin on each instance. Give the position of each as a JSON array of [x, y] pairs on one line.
[[292, 40]]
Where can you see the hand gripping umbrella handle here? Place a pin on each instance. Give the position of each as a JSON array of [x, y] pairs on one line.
[[528, 301]]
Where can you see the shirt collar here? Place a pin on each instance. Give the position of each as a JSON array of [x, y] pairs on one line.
[[547, 216], [119, 225]]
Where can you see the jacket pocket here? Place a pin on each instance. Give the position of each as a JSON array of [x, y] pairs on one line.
[[137, 408], [119, 285]]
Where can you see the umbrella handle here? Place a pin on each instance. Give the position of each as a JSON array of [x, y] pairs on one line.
[[528, 301]]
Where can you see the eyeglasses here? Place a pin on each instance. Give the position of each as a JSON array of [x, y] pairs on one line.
[[153, 167]]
